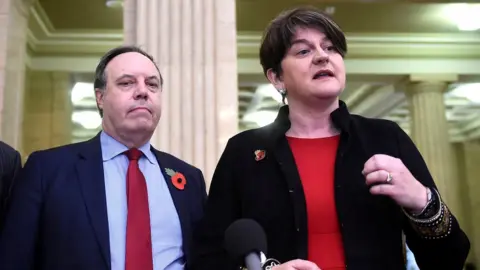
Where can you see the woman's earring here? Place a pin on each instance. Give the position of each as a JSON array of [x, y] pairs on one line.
[[282, 91]]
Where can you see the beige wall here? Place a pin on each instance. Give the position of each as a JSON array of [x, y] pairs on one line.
[[13, 35], [47, 115]]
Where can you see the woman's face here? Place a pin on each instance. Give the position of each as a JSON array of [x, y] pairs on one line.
[[311, 69]]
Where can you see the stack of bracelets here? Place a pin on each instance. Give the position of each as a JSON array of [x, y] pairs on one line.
[[434, 221]]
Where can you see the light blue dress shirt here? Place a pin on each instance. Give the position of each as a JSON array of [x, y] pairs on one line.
[[411, 263], [164, 220]]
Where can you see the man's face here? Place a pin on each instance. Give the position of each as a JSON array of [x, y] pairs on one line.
[[131, 102]]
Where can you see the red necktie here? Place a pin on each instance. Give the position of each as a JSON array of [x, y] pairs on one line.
[[138, 253]]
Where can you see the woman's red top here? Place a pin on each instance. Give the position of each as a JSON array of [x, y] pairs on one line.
[[315, 160]]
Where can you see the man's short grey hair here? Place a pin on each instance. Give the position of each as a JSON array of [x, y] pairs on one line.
[[100, 81]]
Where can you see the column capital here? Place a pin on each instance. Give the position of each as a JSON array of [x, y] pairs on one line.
[[428, 83], [444, 78]]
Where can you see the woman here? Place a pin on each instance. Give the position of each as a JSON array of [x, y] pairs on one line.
[[329, 188]]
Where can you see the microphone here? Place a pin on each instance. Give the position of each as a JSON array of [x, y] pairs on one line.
[[246, 242]]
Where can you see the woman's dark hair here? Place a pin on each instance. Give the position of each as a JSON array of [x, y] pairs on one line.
[[278, 36]]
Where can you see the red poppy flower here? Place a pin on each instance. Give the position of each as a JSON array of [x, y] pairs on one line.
[[178, 179], [259, 155]]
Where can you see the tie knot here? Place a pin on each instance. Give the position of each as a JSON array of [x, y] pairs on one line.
[[134, 154]]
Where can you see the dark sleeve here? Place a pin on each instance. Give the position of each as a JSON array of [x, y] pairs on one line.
[[441, 244], [12, 165], [19, 235], [200, 203], [203, 188], [221, 209]]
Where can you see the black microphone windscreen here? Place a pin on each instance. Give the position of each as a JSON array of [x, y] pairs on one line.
[[243, 237]]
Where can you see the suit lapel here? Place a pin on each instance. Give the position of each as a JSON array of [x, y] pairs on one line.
[[92, 183], [279, 146], [179, 197], [286, 161]]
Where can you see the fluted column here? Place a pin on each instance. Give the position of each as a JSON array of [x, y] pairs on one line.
[[194, 44], [13, 38], [430, 132]]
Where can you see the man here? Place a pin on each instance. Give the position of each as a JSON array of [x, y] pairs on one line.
[[10, 165], [88, 206]]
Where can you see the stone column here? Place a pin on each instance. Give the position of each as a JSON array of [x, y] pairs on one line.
[[48, 111], [470, 172], [429, 131], [194, 44], [13, 39]]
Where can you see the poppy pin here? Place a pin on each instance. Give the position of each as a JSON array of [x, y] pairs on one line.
[[178, 179], [259, 155]]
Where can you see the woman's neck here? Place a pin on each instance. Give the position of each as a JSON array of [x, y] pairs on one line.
[[312, 122]]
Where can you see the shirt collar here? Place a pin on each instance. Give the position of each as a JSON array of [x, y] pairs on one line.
[[112, 148]]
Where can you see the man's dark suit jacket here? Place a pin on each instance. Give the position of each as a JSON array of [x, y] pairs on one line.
[[10, 165], [270, 191], [58, 214]]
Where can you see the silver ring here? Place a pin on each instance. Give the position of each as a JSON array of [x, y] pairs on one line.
[[389, 177]]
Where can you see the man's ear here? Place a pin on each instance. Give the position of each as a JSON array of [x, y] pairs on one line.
[[99, 93], [275, 79]]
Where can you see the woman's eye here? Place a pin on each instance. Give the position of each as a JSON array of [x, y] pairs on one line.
[[303, 52]]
